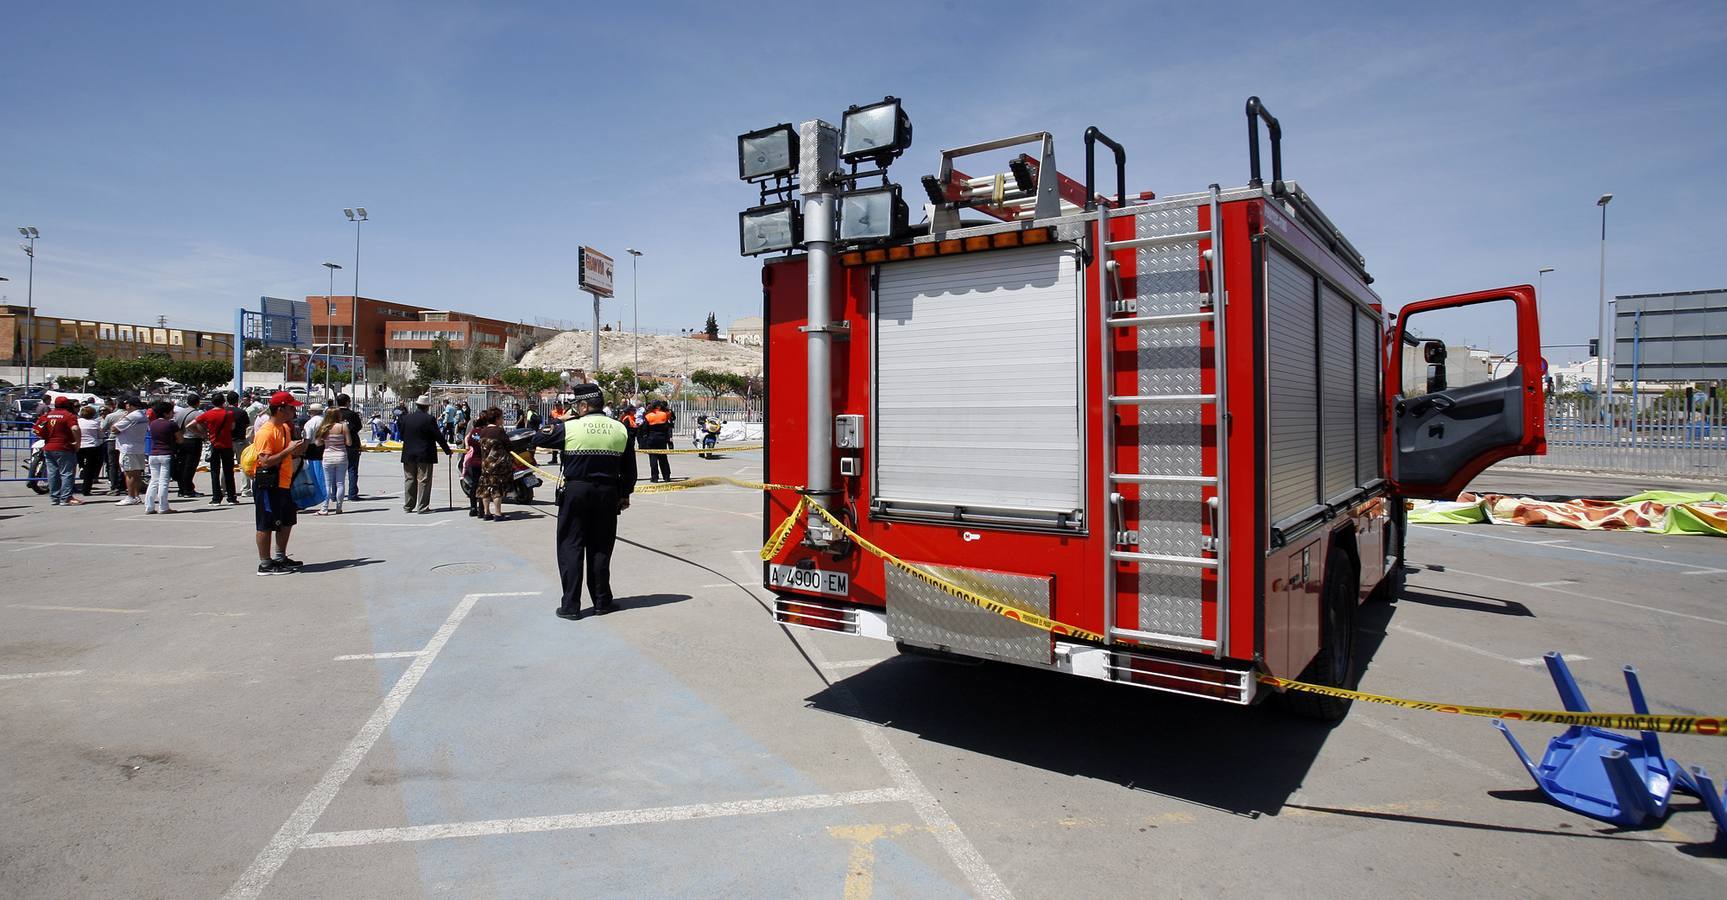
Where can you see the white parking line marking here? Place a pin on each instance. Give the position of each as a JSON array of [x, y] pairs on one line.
[[293, 832], [537, 824], [123, 546], [984, 881], [20, 676], [94, 609], [1667, 612], [1470, 648], [394, 654], [852, 663], [1647, 559]]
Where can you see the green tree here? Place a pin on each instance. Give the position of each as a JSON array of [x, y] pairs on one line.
[[480, 364], [717, 384], [712, 328], [267, 359], [437, 364], [70, 355], [529, 380]]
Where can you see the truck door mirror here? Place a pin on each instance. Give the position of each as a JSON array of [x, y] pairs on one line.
[[1435, 378]]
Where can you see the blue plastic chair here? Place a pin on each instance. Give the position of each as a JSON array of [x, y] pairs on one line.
[[1602, 774], [1698, 782]]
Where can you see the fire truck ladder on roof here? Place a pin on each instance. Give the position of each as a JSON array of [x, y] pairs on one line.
[[1170, 548]]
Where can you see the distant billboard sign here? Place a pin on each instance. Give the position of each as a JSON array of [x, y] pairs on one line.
[[1670, 337], [284, 322], [300, 366], [596, 271]]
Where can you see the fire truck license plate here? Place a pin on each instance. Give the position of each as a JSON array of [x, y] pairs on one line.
[[809, 581]]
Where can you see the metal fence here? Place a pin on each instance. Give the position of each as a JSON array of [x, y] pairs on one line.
[[15, 452], [1640, 434]]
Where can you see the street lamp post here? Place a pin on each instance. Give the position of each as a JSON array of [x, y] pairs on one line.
[[1540, 286], [329, 301], [1603, 388], [635, 319], [356, 215], [30, 234]]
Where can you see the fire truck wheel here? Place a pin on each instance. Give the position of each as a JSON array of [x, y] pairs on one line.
[[1336, 664]]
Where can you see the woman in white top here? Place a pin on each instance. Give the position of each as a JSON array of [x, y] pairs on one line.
[[89, 448], [332, 436]]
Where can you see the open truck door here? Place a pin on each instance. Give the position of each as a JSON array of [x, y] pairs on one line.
[[1441, 437]]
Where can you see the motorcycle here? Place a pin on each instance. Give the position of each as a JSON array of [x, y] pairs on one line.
[[36, 468], [522, 444]]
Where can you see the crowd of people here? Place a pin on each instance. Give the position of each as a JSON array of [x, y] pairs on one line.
[[149, 451]]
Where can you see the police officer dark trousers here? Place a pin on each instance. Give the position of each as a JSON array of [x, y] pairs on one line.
[[599, 463]]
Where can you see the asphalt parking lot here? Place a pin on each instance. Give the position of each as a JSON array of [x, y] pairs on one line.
[[407, 718]]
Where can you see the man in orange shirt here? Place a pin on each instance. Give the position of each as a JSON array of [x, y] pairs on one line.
[[273, 503]]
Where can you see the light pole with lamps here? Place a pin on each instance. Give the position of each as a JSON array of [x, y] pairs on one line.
[[1603, 388], [329, 307], [635, 319], [31, 234], [356, 215]]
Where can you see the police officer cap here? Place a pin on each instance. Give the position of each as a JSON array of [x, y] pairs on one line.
[[585, 393]]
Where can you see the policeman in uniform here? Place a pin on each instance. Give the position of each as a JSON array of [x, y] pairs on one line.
[[599, 462]]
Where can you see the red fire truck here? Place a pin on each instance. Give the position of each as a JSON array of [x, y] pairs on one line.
[[1178, 423]]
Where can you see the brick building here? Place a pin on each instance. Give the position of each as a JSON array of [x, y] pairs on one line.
[[107, 339], [333, 323], [391, 332]]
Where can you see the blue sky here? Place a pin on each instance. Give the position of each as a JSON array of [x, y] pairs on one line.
[[182, 159]]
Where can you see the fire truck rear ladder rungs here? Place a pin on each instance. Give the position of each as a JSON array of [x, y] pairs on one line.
[[1123, 478], [1203, 562], [1158, 240], [1172, 320], [1163, 399]]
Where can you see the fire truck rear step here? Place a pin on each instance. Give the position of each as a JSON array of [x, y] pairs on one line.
[[1159, 240], [1167, 321]]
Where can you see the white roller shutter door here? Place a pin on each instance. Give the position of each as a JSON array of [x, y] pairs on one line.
[[977, 383]]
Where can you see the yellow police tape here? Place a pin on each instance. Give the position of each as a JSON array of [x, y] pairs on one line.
[[995, 606], [735, 448], [686, 484], [1711, 726]]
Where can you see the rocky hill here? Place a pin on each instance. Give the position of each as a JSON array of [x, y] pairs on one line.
[[665, 356]]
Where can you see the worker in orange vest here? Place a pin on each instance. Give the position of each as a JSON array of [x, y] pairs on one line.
[[657, 435]]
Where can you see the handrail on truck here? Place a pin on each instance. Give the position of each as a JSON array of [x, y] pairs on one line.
[[1092, 138], [1256, 111]]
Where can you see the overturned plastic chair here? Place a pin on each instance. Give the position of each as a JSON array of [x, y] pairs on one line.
[[1698, 782], [1602, 774]]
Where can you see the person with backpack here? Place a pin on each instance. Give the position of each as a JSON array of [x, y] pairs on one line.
[[218, 423], [59, 430], [271, 459]]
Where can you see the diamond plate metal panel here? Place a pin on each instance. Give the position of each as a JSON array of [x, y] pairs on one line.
[[1169, 600], [921, 614]]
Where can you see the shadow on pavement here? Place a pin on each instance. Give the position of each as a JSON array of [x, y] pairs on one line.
[[1244, 761], [331, 565], [1462, 601], [646, 601]]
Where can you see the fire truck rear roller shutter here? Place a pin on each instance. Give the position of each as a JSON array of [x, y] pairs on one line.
[[977, 391], [1292, 411], [1337, 390], [1368, 456]]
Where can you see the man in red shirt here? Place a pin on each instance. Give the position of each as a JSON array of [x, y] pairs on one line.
[[218, 421], [58, 429]]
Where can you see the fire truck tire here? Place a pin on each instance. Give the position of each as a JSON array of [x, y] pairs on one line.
[[1335, 665]]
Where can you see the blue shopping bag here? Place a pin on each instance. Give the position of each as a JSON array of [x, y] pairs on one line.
[[308, 487]]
